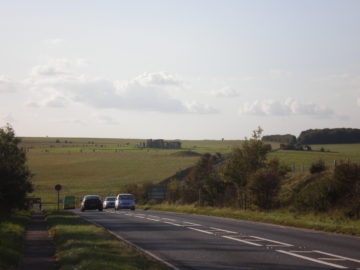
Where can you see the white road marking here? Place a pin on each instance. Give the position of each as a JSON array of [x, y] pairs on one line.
[[273, 241], [171, 223], [139, 216], [240, 240], [169, 219], [192, 224], [153, 216], [222, 230], [311, 259], [153, 219], [207, 232], [337, 256]]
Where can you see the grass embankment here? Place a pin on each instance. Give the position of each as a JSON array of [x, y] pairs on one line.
[[321, 222], [82, 245], [12, 231]]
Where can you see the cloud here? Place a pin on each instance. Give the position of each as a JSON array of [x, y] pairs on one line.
[[195, 107], [358, 101], [146, 92], [104, 119], [284, 108], [226, 92], [7, 85], [54, 41]]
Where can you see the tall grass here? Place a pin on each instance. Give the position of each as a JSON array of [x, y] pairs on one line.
[[81, 245], [12, 231]]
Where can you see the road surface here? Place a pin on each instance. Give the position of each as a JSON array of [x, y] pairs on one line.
[[187, 241]]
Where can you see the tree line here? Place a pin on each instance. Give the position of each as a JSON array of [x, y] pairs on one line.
[[318, 136]]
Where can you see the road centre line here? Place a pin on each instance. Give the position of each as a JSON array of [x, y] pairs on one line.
[[153, 219], [273, 241], [337, 256], [207, 232], [222, 230], [169, 219], [311, 259], [240, 240], [139, 216], [192, 224], [171, 223]]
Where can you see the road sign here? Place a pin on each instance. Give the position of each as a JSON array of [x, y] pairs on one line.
[[58, 187]]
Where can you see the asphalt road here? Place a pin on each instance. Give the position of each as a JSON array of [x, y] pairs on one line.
[[201, 242]]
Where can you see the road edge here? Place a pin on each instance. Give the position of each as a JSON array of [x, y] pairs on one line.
[[146, 253]]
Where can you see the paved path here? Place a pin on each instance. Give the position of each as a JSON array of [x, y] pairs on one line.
[[39, 249]]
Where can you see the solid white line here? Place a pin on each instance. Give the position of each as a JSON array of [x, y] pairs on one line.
[[153, 216], [169, 219], [192, 224], [222, 230], [273, 241], [139, 216], [337, 256], [200, 230], [331, 259], [311, 259], [178, 225], [243, 241]]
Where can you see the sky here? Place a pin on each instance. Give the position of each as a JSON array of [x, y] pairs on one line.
[[178, 69]]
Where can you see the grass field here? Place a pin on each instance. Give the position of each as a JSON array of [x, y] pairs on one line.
[[103, 166]]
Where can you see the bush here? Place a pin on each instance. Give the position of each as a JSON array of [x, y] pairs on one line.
[[317, 167]]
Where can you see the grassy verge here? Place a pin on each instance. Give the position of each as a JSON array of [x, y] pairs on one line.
[[12, 231], [321, 222], [81, 245]]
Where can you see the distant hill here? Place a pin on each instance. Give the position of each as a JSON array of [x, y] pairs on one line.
[[330, 136], [288, 138]]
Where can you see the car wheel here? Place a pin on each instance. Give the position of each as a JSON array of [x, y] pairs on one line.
[[100, 209], [133, 208], [82, 209]]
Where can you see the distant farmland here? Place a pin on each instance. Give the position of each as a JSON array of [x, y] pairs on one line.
[[103, 166]]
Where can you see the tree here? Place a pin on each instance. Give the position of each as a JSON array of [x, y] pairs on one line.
[[14, 174], [243, 162], [265, 183]]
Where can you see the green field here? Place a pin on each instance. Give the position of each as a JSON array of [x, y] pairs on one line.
[[103, 166]]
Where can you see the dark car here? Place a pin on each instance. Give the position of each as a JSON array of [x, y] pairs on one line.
[[109, 202], [91, 202]]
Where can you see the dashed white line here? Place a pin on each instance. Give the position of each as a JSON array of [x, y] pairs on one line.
[[273, 241], [192, 224], [311, 259], [337, 256], [240, 240], [153, 219], [203, 231], [169, 219], [222, 230], [171, 223]]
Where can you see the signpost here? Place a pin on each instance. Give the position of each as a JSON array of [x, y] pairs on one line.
[[58, 188]]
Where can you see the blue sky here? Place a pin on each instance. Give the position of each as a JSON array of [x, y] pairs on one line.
[[178, 69]]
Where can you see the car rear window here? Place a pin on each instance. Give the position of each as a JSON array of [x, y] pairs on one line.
[[111, 199], [126, 197]]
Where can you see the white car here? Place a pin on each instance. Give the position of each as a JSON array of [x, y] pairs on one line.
[[125, 201], [109, 202]]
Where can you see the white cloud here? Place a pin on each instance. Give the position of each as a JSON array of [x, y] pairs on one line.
[[56, 84], [8, 118], [284, 108], [7, 85], [195, 107], [226, 92], [54, 41]]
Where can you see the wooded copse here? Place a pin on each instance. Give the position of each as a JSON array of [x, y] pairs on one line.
[[318, 136]]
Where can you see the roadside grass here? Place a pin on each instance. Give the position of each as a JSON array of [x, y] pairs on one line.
[[328, 222], [12, 231], [82, 245]]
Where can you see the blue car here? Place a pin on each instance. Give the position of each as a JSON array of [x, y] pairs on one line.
[[125, 201]]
